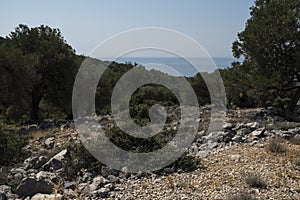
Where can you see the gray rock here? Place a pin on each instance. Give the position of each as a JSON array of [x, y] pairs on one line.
[[14, 171], [47, 176], [238, 138], [252, 125], [47, 196], [3, 196], [105, 171], [258, 132], [213, 145], [18, 176], [243, 131], [42, 160], [5, 189], [56, 162], [124, 172], [97, 183], [169, 170], [70, 185], [70, 193], [214, 137], [49, 142], [203, 147], [228, 126], [31, 186], [31, 172], [110, 186], [84, 188], [103, 192], [113, 179], [31, 162], [87, 177], [202, 154]]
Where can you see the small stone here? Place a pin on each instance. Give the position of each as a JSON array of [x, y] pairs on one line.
[[202, 154], [103, 192], [49, 142], [47, 196], [258, 132], [113, 179], [97, 183], [55, 162]]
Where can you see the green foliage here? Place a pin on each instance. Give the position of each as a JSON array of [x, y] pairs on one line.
[[79, 158], [138, 145], [11, 147], [269, 45], [36, 63], [38, 70]]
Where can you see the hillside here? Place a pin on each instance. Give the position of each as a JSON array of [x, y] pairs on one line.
[[257, 153]]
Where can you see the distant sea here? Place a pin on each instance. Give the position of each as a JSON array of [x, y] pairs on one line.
[[179, 66]]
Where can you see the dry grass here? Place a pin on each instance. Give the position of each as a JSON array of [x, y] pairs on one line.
[[277, 145]]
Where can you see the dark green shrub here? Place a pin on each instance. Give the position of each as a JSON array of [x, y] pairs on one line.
[[186, 163], [139, 145], [255, 181], [79, 158], [11, 147]]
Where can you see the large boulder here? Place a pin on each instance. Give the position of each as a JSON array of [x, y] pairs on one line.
[[32, 186]]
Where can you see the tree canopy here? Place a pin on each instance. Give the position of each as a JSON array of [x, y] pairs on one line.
[[270, 48]]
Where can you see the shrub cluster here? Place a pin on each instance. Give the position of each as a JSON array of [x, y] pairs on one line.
[[11, 147]]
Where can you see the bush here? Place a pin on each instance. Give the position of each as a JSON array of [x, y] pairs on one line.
[[11, 147], [79, 158], [242, 196], [139, 145], [276, 145], [297, 163], [255, 181], [295, 141]]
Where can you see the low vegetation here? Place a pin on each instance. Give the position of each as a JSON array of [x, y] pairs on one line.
[[12, 147], [277, 145], [256, 181]]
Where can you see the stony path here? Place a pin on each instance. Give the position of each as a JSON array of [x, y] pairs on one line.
[[224, 174]]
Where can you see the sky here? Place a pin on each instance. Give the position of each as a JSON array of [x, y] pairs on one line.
[[84, 24]]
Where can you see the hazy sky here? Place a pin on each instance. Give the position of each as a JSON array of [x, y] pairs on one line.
[[212, 23]]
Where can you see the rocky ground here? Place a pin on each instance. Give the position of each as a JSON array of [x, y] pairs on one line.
[[256, 155]]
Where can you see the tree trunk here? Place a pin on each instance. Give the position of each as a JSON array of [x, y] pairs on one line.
[[35, 106], [290, 113]]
